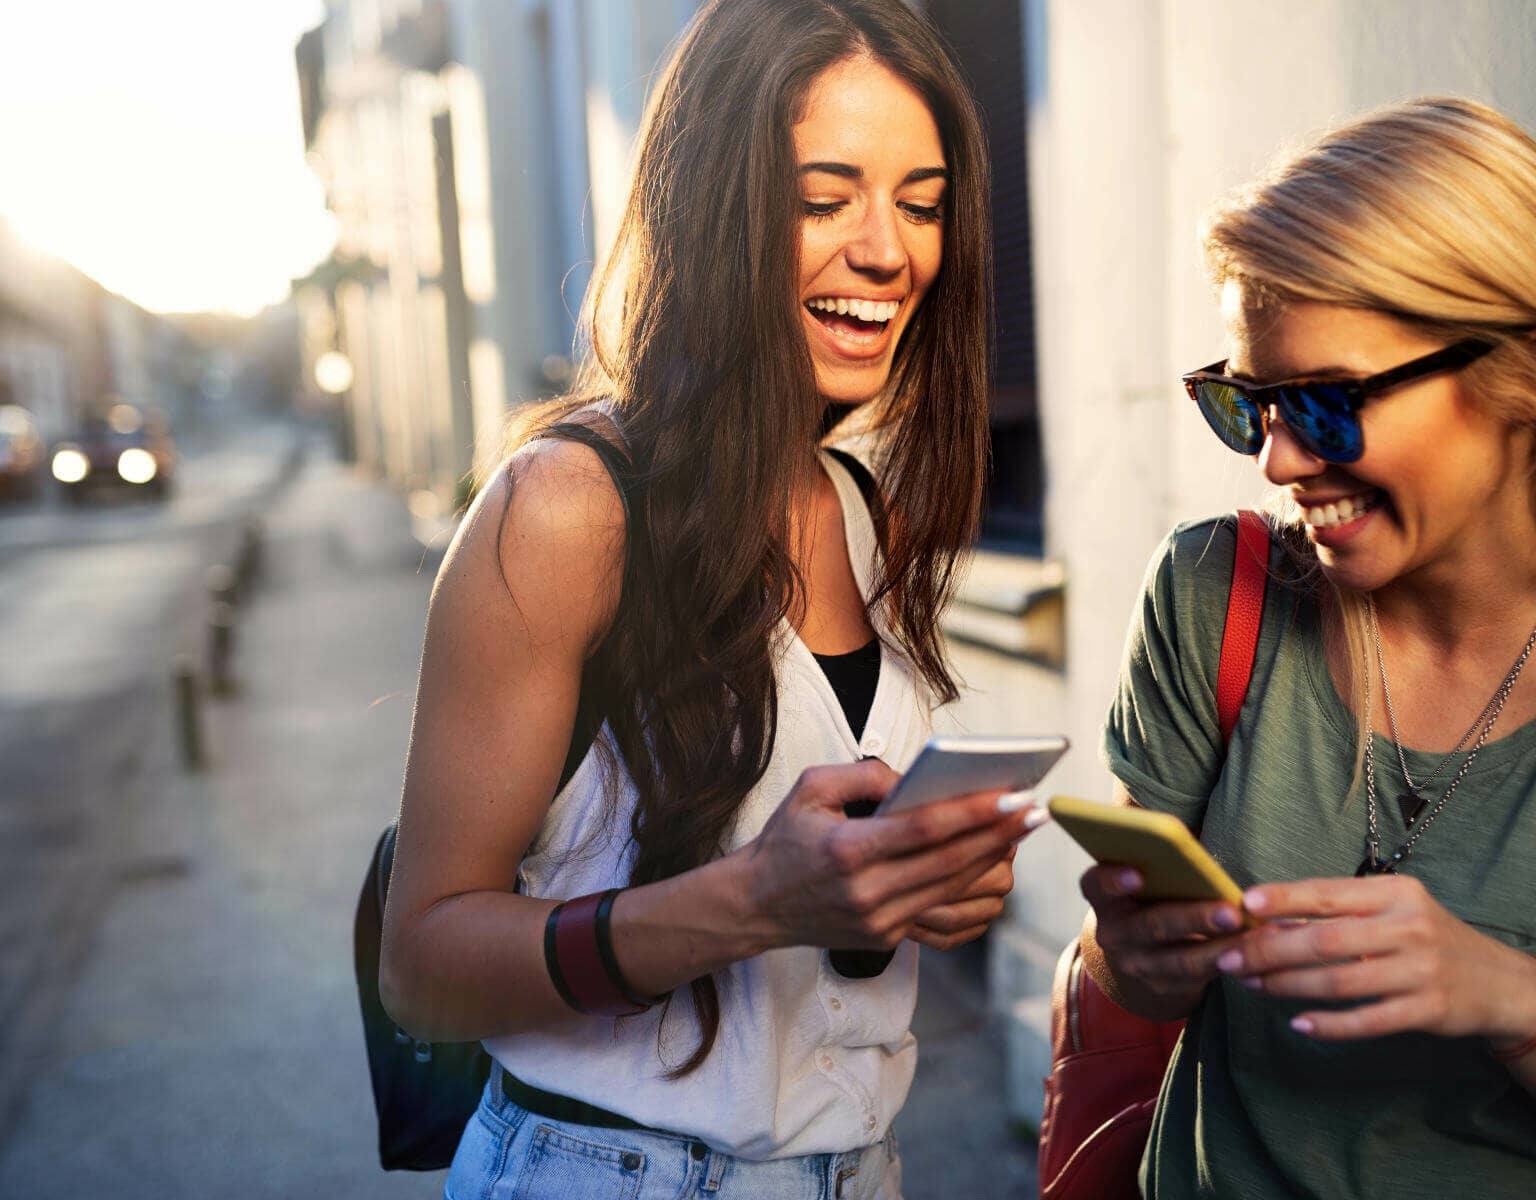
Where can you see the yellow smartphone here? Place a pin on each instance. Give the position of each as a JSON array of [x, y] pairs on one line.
[[1173, 865]]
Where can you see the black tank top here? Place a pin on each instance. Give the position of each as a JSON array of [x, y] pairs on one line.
[[854, 677]]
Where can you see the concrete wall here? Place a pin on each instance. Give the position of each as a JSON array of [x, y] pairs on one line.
[[1141, 112]]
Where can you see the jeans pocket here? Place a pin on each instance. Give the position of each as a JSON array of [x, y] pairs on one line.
[[558, 1166], [481, 1159]]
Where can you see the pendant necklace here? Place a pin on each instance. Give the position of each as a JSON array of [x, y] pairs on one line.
[[1411, 803]]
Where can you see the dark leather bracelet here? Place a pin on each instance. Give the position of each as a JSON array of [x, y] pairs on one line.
[[552, 958], [578, 953], [604, 934]]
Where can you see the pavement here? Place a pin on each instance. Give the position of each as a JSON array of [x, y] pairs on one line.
[[207, 1039]]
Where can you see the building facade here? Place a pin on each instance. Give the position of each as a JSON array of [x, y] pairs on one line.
[[474, 154]]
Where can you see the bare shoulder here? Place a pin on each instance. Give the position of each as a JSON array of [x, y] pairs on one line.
[[544, 537]]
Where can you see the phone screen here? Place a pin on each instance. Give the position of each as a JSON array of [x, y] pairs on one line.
[[957, 766]]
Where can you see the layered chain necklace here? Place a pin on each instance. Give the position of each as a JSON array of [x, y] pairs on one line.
[[1412, 804]]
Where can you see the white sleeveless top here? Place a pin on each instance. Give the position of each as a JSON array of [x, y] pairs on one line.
[[807, 1061]]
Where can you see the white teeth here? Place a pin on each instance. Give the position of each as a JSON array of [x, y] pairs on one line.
[[1325, 516], [865, 310]]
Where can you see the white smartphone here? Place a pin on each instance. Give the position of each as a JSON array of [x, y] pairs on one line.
[[960, 764]]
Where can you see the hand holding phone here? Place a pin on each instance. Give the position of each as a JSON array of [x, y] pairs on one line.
[[959, 765], [948, 767], [1173, 865]]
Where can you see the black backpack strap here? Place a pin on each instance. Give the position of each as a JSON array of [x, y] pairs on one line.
[[620, 469], [591, 709], [868, 488]]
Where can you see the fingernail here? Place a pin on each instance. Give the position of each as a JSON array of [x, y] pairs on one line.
[[1037, 818], [1230, 961], [1227, 919], [1129, 880], [1303, 1025], [1253, 983], [1011, 802], [1255, 900]]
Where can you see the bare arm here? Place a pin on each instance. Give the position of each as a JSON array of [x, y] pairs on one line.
[[496, 703], [518, 606]]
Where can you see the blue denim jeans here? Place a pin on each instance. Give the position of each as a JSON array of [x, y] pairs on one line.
[[508, 1153]]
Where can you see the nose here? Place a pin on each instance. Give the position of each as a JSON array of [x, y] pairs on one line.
[[876, 247], [1282, 458]]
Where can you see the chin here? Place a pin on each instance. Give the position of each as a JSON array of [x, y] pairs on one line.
[[850, 389], [1354, 576]]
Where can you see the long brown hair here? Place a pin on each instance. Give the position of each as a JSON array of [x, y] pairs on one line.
[[695, 339]]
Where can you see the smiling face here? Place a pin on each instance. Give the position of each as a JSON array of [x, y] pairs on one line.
[[872, 185], [1441, 485]]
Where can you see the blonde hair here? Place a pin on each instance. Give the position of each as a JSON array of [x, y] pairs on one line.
[[1425, 211]]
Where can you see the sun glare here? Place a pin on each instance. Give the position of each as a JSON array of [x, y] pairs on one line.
[[162, 154]]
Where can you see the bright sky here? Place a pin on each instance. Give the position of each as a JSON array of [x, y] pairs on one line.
[[156, 145]]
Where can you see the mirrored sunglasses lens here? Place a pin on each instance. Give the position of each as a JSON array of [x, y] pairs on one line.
[[1324, 421], [1233, 416]]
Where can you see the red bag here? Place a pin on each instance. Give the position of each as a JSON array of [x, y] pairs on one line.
[[1107, 1065]]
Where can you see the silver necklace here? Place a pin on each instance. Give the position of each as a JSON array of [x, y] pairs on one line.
[[1409, 802], [1373, 863]]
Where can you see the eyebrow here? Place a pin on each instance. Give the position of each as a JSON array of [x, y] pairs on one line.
[[849, 171], [1316, 375]]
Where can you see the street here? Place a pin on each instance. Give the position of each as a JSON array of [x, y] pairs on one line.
[[177, 944], [96, 604]]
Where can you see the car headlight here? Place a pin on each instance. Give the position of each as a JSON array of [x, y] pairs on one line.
[[70, 466], [136, 465]]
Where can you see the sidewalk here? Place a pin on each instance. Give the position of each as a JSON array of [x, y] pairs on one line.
[[212, 1044]]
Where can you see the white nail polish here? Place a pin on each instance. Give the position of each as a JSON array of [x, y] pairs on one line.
[[1011, 802], [1041, 816]]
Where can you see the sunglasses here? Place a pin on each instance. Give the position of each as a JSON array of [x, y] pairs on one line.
[[1322, 415]]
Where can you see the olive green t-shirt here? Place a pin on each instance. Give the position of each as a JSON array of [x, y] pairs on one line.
[[1251, 1108]]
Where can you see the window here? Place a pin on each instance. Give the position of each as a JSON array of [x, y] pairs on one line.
[[988, 39]]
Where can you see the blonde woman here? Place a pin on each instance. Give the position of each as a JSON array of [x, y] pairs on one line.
[[1375, 1033]]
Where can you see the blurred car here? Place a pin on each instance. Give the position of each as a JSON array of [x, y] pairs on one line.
[[122, 451], [21, 453]]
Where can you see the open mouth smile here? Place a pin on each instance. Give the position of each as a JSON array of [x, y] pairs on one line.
[[855, 325], [1336, 522], [1343, 510]]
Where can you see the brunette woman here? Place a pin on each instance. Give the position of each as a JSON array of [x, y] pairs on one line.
[[1375, 1034], [671, 605]]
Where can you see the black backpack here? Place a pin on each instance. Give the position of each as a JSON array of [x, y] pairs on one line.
[[425, 1092]]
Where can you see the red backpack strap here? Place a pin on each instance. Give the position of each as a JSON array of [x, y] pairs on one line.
[[1245, 612]]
